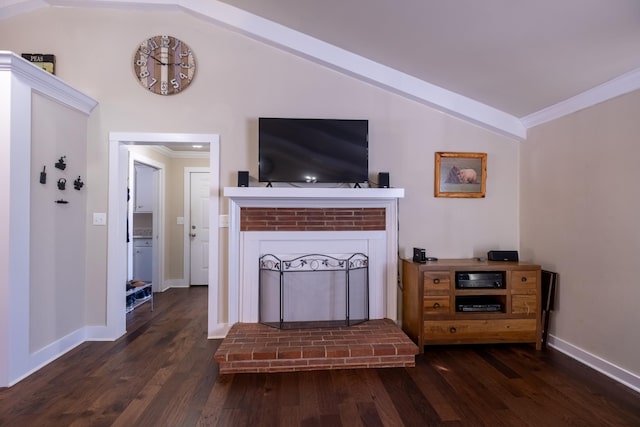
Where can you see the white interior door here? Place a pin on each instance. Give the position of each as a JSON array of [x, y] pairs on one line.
[[199, 228]]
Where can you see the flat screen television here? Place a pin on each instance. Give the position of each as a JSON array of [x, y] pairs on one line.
[[313, 150]]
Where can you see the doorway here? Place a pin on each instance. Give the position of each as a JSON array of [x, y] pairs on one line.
[[117, 221], [196, 211], [145, 232]]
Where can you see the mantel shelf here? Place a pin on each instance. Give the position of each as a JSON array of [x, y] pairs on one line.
[[238, 193]]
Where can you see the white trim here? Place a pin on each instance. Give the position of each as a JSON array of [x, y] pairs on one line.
[[355, 65], [344, 61], [175, 283], [626, 83], [313, 197], [19, 80], [180, 154], [46, 83], [617, 373], [116, 245], [186, 212], [51, 352]]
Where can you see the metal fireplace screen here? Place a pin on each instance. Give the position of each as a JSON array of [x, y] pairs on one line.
[[313, 291]]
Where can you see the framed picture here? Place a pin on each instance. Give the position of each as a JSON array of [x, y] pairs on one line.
[[45, 61], [460, 174]]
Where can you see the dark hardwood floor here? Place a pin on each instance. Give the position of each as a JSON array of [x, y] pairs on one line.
[[162, 373]]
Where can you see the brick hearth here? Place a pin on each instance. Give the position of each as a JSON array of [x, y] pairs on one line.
[[253, 347]]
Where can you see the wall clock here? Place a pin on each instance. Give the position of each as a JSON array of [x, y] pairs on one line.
[[165, 65]]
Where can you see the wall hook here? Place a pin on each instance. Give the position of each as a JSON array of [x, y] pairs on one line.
[[78, 184], [62, 183], [61, 164], [43, 175], [61, 202]]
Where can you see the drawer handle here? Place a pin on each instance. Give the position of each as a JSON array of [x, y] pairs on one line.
[[524, 279], [453, 330], [436, 281], [436, 305]]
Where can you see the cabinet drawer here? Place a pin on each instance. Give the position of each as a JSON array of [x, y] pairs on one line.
[[436, 282], [436, 305], [524, 282], [493, 330], [524, 304]]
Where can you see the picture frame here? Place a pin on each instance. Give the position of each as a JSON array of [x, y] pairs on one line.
[[46, 61], [460, 175]]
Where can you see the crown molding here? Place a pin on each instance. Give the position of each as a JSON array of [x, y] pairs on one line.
[[359, 67], [626, 83], [161, 149], [46, 83], [315, 50]]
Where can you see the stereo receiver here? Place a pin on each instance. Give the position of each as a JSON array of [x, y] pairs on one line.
[[480, 279]]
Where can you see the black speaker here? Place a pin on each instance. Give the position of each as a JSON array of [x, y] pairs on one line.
[[243, 178], [383, 180], [502, 255]]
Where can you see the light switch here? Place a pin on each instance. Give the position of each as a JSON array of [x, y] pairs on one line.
[[223, 221], [99, 218], [180, 220]]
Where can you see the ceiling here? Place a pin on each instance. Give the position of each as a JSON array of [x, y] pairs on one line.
[[517, 56], [500, 63]]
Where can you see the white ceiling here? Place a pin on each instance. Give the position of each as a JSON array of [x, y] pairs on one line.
[[504, 64], [514, 55]]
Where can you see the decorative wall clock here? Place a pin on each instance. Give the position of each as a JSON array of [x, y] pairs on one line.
[[164, 64]]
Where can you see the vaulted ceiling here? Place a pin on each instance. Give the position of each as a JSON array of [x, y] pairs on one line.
[[506, 65]]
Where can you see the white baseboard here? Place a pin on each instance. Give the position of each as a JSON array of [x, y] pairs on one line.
[[617, 373], [219, 331], [175, 283], [46, 355], [51, 352], [102, 333]]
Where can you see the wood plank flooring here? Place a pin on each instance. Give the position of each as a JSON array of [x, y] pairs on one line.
[[162, 373]]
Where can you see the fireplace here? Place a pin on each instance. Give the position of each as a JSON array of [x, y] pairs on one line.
[[313, 291], [250, 238]]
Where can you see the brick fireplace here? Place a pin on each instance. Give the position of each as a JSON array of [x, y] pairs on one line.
[[295, 221], [290, 222]]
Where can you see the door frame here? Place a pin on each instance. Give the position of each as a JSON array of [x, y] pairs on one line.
[[117, 224], [187, 219]]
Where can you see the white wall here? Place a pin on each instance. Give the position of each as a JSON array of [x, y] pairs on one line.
[[579, 217], [239, 80]]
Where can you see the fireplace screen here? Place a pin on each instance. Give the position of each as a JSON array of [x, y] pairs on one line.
[[313, 291]]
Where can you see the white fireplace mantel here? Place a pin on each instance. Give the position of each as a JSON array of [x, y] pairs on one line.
[[262, 196], [242, 289]]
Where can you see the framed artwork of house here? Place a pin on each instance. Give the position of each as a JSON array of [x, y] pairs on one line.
[[460, 175]]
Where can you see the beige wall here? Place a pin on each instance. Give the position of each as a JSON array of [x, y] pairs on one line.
[[58, 231], [239, 80], [579, 217]]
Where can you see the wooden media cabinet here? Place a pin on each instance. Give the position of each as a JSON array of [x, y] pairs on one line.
[[436, 311]]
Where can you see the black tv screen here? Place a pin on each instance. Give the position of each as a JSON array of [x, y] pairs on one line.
[[313, 150]]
